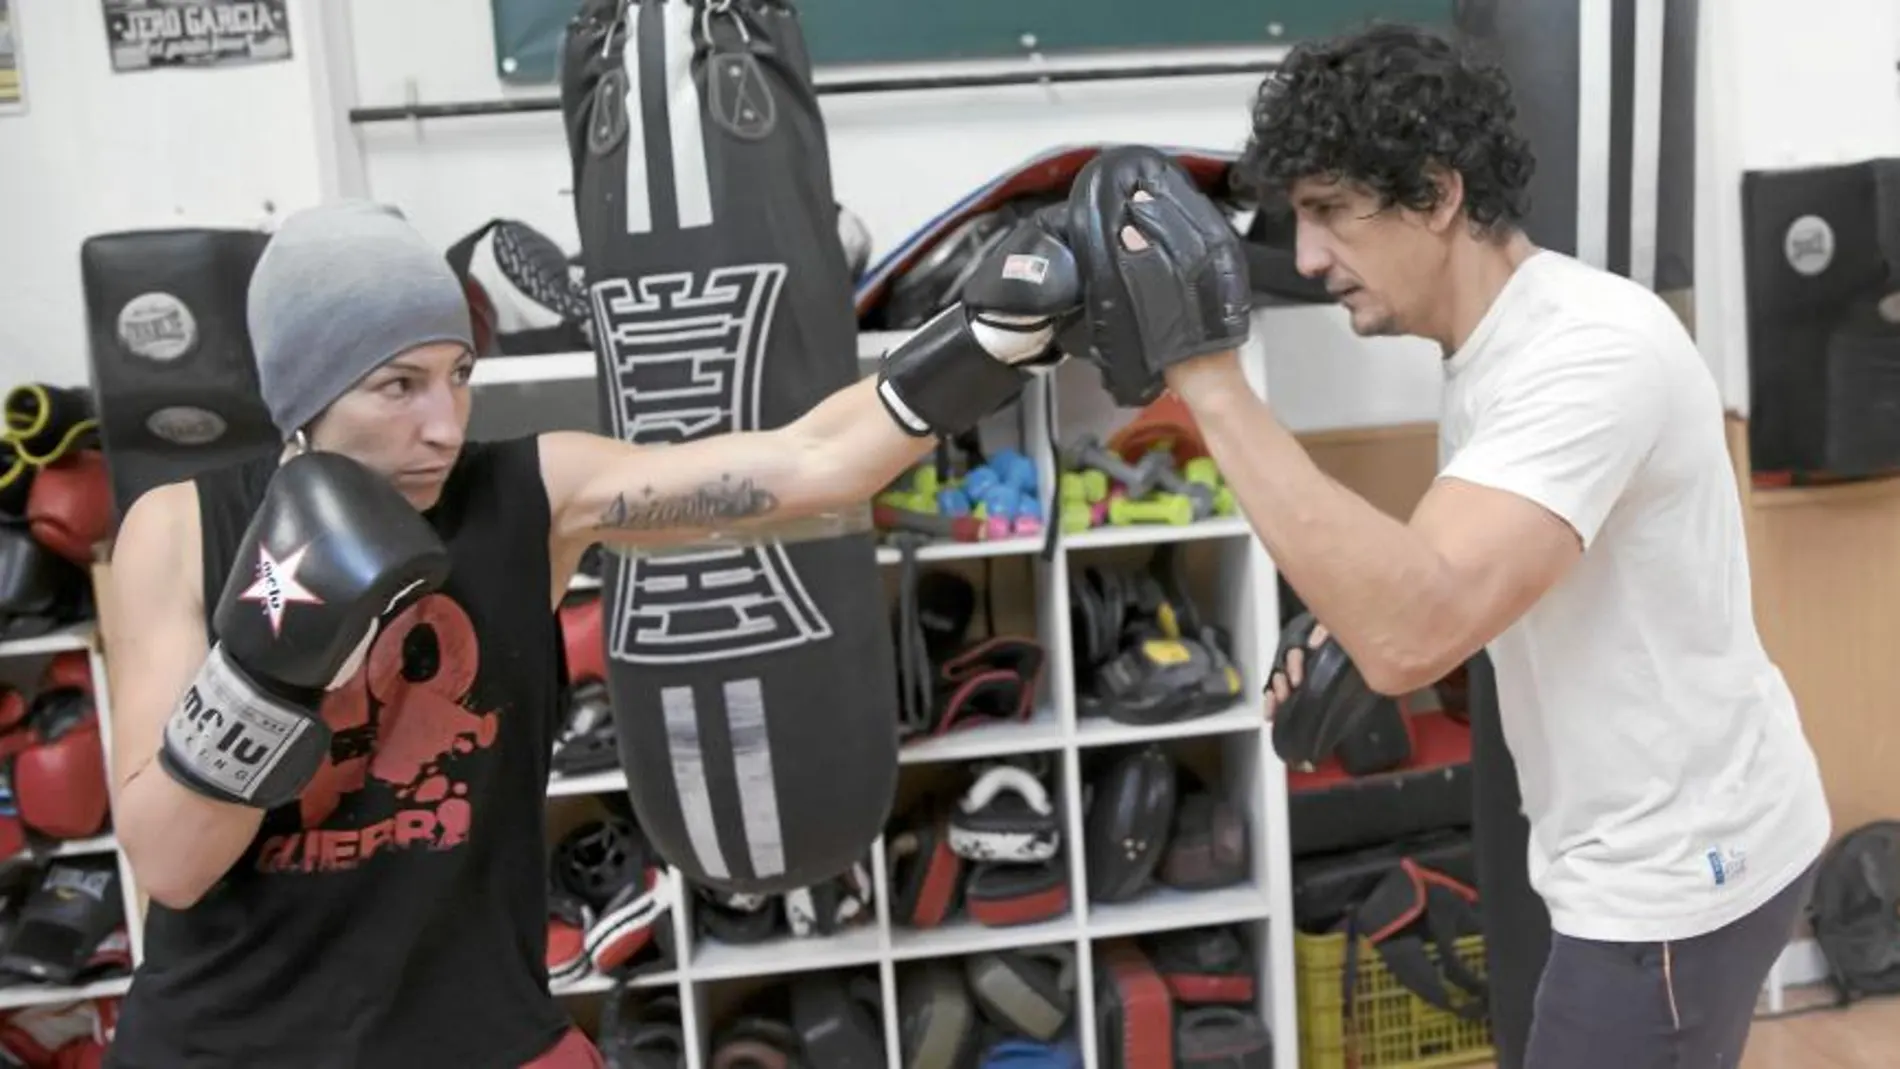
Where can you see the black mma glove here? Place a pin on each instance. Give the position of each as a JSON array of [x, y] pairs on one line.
[[333, 548], [1185, 295], [977, 355]]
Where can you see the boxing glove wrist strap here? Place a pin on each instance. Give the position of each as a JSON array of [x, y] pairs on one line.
[[231, 739], [942, 380]]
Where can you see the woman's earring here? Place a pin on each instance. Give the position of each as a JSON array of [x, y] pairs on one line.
[[301, 440]]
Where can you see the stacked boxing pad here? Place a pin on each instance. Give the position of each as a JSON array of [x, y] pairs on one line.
[[926, 874], [609, 903], [1028, 992], [1009, 828], [1130, 818], [586, 742], [1144, 654], [1181, 999], [76, 907], [830, 906], [637, 1032], [838, 1021], [40, 590], [1134, 1011], [1151, 821], [938, 1023], [751, 682], [172, 370]]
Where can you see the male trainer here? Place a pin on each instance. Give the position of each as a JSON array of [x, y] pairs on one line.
[[1584, 527], [334, 674]]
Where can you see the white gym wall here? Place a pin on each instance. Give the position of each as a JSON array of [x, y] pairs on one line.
[[1779, 86]]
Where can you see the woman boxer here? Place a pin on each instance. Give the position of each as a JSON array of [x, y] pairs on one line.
[[343, 838]]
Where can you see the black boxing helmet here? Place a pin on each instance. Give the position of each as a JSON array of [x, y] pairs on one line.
[[598, 858]]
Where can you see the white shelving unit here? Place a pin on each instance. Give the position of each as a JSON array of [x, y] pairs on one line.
[[1237, 589], [21, 662]]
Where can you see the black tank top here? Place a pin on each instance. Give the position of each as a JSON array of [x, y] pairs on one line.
[[395, 915]]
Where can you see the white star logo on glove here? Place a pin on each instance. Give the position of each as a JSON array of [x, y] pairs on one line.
[[276, 586]]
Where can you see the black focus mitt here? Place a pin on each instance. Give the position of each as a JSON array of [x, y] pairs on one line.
[[1330, 702], [1182, 292]]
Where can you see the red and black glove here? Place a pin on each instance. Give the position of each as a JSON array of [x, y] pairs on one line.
[[59, 776], [70, 505]]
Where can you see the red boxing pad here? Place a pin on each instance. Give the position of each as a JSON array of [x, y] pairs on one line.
[[70, 505], [59, 779], [12, 708], [580, 630], [69, 669]]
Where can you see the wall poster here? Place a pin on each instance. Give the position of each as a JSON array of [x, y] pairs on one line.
[[12, 86], [152, 34]]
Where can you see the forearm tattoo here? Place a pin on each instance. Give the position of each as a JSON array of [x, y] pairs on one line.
[[709, 505]]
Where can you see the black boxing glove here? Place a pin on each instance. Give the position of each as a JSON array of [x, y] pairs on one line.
[[332, 550], [975, 356], [1185, 294]]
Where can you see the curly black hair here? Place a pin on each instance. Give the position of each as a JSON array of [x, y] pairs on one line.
[[1379, 108]]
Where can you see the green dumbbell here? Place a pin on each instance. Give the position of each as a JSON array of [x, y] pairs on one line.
[[909, 501], [1204, 471], [1076, 516], [925, 481], [1082, 487], [1224, 503], [1173, 509], [1161, 463]]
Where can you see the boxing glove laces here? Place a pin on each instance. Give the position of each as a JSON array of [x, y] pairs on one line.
[[975, 356], [333, 549]]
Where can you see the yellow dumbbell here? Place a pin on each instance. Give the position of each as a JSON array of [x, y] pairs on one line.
[[1158, 508]]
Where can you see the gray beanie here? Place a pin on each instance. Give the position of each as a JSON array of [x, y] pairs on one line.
[[340, 290]]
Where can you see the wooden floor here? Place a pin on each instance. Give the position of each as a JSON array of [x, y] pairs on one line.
[[1863, 1036]]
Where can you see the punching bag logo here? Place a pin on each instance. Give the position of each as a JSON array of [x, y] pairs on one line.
[[1809, 245], [684, 354]]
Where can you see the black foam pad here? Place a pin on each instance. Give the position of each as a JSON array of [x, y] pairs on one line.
[[1131, 813], [939, 1026], [173, 377], [1331, 702], [837, 1021], [752, 684]]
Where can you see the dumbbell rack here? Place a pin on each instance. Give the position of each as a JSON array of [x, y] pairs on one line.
[[1243, 598]]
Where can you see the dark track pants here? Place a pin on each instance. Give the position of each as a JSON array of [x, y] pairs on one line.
[[1683, 1004]]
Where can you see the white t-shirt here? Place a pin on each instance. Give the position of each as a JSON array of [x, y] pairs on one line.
[[1668, 783]]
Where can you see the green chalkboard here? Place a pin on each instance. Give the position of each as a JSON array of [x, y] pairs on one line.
[[528, 32]]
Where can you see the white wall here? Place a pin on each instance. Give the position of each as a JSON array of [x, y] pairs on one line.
[[1779, 87], [98, 151], [451, 176]]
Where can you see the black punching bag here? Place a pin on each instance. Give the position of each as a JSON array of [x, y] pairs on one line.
[[753, 685], [173, 376], [1605, 94]]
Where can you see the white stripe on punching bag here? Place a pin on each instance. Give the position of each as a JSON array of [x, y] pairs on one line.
[[1646, 141], [688, 758], [1594, 92], [639, 199], [691, 190], [752, 768]]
